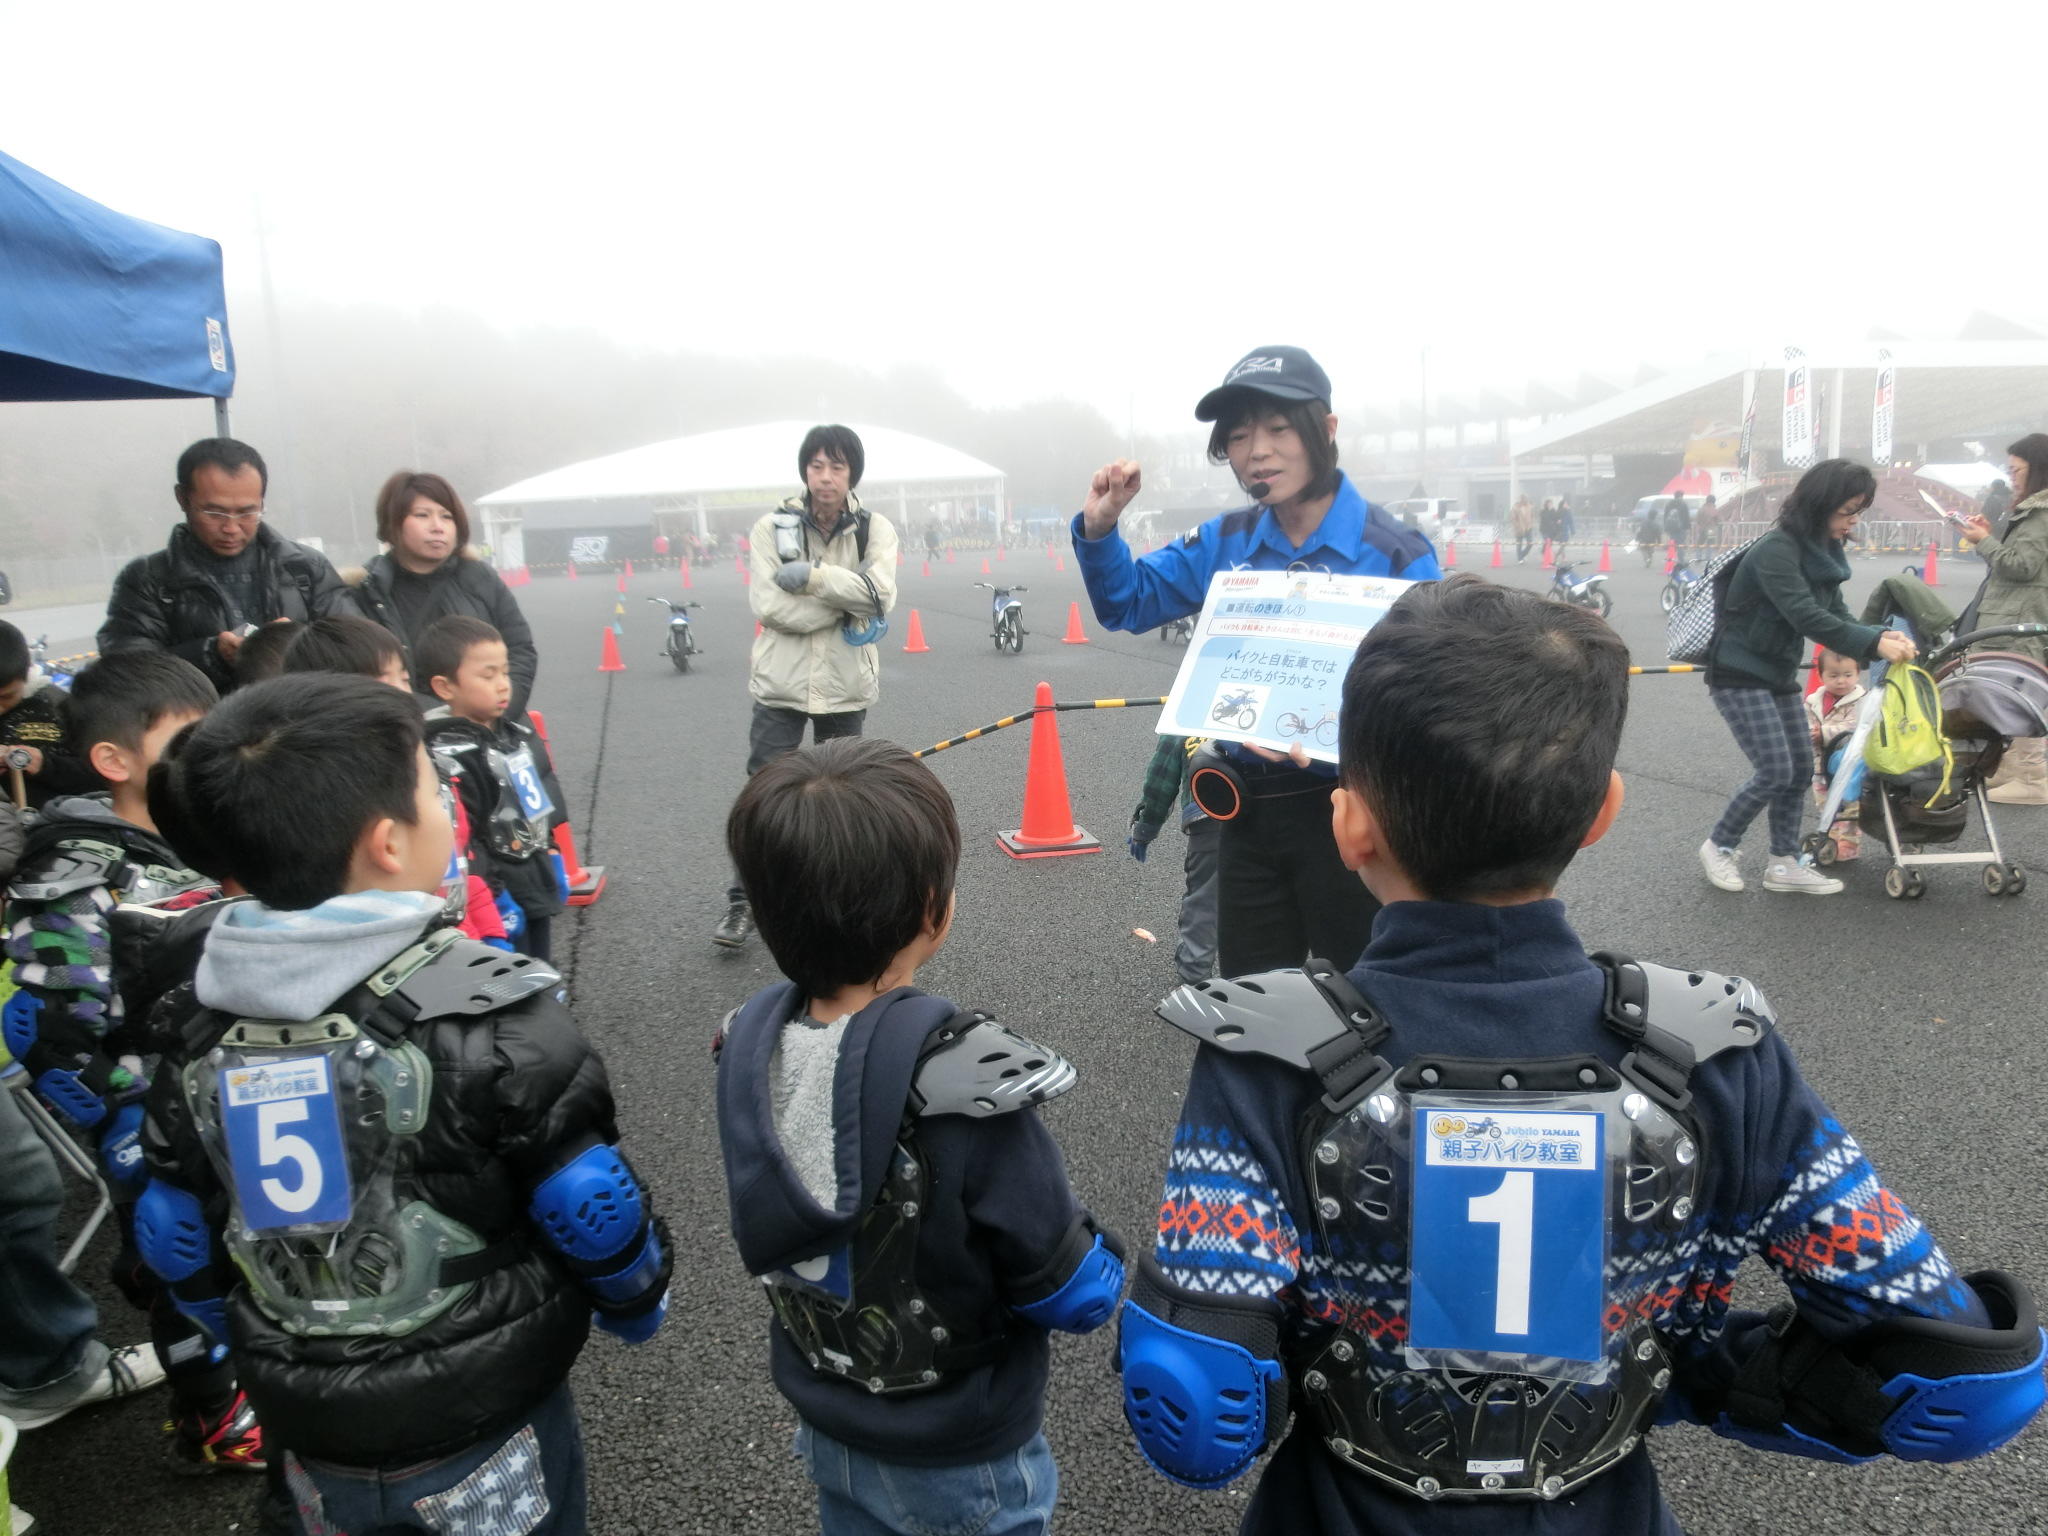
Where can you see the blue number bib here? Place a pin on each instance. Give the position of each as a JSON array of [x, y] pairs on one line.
[[1508, 1248], [284, 1141], [527, 785]]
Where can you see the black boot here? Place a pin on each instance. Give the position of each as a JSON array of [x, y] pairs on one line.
[[733, 928]]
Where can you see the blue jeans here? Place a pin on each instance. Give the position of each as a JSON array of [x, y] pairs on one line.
[[861, 1495], [46, 1322], [527, 1483]]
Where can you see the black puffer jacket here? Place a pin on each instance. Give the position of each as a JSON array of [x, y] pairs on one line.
[[463, 583], [516, 1093], [168, 602]]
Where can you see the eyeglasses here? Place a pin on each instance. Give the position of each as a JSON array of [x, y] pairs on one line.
[[221, 519]]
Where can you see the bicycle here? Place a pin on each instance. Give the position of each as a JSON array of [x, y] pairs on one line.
[[1324, 730], [1006, 617]]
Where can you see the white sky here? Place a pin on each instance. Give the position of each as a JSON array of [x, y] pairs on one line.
[[1110, 201]]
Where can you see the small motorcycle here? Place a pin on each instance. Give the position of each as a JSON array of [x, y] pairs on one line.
[[682, 644], [1235, 708], [1566, 586], [1178, 631], [54, 672], [1006, 617], [1677, 584]]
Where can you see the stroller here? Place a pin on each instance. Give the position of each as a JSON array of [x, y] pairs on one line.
[[1987, 698]]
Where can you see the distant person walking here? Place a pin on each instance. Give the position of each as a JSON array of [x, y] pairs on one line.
[[1707, 526], [223, 571], [824, 570], [2015, 591], [1996, 503], [1522, 523], [1649, 533], [1786, 591], [1678, 522], [1551, 524]]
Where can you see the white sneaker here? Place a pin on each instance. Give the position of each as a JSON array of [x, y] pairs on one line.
[[1791, 876], [130, 1369], [1719, 863]]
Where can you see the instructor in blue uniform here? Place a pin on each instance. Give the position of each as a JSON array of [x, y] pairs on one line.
[[1285, 894]]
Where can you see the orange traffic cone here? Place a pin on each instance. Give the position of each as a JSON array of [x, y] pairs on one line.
[[913, 638], [585, 884], [951, 558], [1049, 830], [1059, 562], [1001, 554], [1075, 634], [611, 661], [1671, 557], [1933, 574], [1496, 554], [572, 570], [984, 566], [746, 575], [1451, 555], [689, 585], [1549, 559], [586, 881], [1606, 559], [927, 570]]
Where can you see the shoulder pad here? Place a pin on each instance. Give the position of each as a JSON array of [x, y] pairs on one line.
[[468, 976], [1281, 1014], [73, 865], [1700, 1011], [974, 1066]]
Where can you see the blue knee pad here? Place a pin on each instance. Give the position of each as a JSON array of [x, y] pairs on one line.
[[172, 1236]]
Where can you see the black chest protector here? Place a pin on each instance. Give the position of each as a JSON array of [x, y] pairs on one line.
[[313, 1128], [1532, 1210], [858, 1313], [522, 811]]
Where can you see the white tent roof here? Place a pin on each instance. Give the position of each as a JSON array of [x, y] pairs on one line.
[[760, 458]]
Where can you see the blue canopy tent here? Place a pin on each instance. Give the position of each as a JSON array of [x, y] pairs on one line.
[[95, 305]]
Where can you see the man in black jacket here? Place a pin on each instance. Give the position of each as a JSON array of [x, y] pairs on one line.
[[222, 571]]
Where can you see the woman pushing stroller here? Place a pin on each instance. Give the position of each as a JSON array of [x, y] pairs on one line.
[[1785, 593]]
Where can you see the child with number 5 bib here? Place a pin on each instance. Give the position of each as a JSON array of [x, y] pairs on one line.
[[501, 772], [1473, 1212]]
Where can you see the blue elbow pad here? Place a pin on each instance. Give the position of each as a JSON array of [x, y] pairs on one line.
[[172, 1236], [1915, 1388], [1089, 1296], [591, 1210], [1203, 1387], [511, 914]]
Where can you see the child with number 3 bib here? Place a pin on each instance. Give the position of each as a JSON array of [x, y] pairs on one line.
[[501, 772], [1473, 1212]]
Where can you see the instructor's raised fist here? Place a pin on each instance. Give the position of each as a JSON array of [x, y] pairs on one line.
[[1109, 493]]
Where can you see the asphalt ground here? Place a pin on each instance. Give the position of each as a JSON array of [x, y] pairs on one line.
[[1921, 1022]]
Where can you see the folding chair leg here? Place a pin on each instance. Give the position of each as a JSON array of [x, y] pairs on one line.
[[69, 1154]]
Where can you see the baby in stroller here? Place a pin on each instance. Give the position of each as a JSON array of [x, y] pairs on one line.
[[1987, 697], [1831, 713]]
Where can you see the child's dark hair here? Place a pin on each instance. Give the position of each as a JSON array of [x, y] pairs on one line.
[[120, 698], [14, 657], [277, 785], [1480, 725], [262, 654], [342, 643], [847, 851], [441, 646]]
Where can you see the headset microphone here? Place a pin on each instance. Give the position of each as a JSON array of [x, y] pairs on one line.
[[1258, 489]]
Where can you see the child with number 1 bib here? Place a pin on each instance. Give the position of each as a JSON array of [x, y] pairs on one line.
[[1473, 1212]]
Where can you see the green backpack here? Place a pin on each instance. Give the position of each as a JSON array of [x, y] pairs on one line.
[[1908, 732]]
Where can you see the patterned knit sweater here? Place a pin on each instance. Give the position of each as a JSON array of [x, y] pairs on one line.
[[1782, 1180]]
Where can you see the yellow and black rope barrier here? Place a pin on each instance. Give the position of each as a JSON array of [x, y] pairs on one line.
[[1022, 715]]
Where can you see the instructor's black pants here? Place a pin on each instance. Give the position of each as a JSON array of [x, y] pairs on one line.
[[1284, 893], [777, 732]]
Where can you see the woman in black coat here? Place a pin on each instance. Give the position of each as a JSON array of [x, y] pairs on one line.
[[430, 572]]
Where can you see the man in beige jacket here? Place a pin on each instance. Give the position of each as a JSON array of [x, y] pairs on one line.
[[824, 573]]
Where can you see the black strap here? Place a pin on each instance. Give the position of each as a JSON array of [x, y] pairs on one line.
[[466, 1267], [1661, 1061], [1346, 1063]]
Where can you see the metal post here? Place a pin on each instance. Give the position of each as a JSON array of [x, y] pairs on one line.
[[1835, 419], [220, 417]]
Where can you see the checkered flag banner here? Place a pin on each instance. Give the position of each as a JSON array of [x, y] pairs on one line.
[[1881, 412], [1800, 420]]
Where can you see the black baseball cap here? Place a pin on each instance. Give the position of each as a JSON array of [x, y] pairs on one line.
[[1285, 373]]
